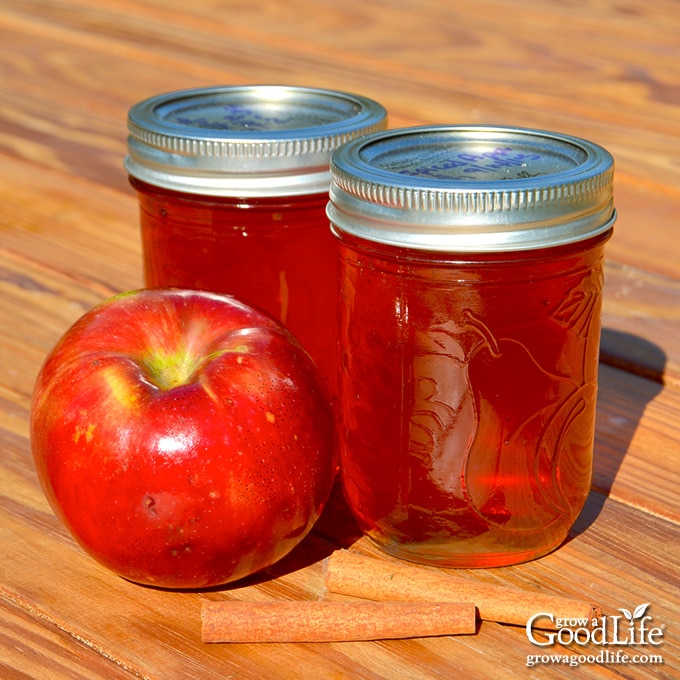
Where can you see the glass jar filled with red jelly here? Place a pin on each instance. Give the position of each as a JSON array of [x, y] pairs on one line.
[[233, 185], [471, 282]]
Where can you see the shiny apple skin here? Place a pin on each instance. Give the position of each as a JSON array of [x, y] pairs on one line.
[[186, 477]]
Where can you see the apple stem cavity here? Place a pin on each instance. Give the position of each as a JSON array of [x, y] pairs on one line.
[[168, 371]]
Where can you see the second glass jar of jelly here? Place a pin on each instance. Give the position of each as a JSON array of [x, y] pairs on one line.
[[471, 274], [233, 185]]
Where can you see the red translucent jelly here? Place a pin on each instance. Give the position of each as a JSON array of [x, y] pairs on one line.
[[468, 398], [471, 269], [274, 253], [232, 185]]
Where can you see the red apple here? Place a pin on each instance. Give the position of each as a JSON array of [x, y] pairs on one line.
[[183, 438]]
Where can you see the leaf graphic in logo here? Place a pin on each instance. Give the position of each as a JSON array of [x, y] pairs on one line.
[[640, 610], [627, 614]]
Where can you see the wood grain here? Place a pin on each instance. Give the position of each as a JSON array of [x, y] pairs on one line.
[[607, 70], [637, 459], [33, 647]]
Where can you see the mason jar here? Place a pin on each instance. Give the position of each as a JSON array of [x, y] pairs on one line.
[[471, 282], [233, 184]]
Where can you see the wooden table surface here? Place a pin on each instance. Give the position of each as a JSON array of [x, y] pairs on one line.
[[607, 70]]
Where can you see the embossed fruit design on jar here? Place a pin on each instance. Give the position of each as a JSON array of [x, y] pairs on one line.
[[471, 278]]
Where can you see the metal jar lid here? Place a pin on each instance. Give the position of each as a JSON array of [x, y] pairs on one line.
[[471, 189], [260, 140]]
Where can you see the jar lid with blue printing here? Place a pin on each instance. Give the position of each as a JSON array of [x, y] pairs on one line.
[[471, 188], [249, 141]]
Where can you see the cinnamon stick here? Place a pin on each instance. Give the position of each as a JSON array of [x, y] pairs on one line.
[[371, 578], [310, 621]]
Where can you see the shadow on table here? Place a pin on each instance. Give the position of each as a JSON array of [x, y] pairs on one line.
[[633, 354], [619, 412]]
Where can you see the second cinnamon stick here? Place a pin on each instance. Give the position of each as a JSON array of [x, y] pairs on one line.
[[350, 573]]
